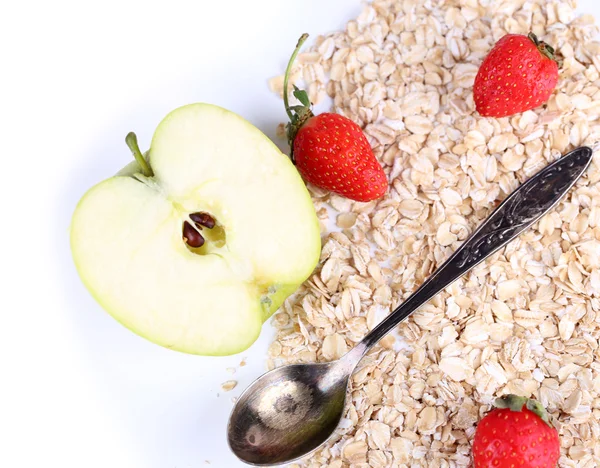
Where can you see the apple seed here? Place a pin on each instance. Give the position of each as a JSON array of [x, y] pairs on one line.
[[203, 219], [192, 237]]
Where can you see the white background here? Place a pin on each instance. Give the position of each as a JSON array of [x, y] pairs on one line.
[[76, 388]]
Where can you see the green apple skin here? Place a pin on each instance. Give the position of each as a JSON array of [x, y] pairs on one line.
[[126, 235]]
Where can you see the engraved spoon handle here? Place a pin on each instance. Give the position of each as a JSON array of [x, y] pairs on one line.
[[516, 213]]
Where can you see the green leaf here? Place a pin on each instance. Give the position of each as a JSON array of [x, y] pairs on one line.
[[533, 38], [516, 403], [537, 408], [298, 109], [302, 96], [512, 402]]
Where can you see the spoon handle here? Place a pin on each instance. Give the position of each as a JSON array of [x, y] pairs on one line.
[[516, 213]]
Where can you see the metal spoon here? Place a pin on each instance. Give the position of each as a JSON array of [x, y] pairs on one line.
[[291, 411]]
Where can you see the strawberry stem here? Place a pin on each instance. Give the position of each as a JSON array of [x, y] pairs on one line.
[[287, 74]]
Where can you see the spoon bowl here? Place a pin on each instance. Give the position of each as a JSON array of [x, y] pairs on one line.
[[289, 412]]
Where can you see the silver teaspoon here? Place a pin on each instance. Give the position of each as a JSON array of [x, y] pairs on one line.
[[290, 411]]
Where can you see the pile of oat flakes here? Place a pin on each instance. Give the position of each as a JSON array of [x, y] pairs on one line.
[[527, 321]]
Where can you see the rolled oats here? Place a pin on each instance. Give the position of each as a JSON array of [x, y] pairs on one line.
[[229, 385], [526, 321]]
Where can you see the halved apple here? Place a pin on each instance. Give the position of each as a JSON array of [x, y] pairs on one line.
[[135, 243]]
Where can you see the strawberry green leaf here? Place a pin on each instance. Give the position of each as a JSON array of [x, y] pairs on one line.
[[534, 38], [537, 408], [298, 109], [516, 403], [545, 49], [512, 402], [302, 96]]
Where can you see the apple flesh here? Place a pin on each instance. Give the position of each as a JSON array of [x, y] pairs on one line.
[[128, 245]]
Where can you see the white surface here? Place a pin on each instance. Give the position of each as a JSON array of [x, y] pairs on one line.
[[78, 389]]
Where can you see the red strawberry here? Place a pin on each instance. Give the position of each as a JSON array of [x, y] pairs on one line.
[[516, 434], [518, 74], [330, 150]]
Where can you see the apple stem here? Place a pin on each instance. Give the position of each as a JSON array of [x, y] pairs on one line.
[[287, 74], [132, 143]]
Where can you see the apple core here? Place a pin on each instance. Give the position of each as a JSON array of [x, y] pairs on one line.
[[193, 237]]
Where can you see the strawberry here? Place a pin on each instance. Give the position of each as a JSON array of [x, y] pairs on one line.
[[330, 150], [518, 74], [517, 433]]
